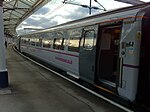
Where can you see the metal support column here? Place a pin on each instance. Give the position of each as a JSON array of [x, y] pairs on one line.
[[3, 70]]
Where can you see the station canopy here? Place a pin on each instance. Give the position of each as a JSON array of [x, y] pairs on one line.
[[16, 11]]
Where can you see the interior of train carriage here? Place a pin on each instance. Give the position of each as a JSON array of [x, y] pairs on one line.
[[108, 62]]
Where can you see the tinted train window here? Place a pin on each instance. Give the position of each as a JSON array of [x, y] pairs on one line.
[[28, 41], [23, 40], [33, 41], [47, 43], [58, 43], [47, 39], [74, 38], [63, 44], [88, 39], [73, 44], [39, 42]]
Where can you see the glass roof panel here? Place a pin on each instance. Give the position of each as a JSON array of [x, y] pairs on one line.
[[15, 11]]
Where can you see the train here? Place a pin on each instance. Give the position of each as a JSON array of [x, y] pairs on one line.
[[110, 50]]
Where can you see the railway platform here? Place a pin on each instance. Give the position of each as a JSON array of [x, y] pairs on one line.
[[35, 89]]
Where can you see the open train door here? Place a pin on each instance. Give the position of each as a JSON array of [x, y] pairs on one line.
[[87, 53], [107, 56]]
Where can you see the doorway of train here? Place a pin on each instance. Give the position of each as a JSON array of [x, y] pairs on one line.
[[108, 63]]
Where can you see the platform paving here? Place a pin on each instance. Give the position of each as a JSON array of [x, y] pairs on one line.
[[34, 89]]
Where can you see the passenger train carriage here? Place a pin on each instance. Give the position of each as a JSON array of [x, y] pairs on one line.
[[110, 50]]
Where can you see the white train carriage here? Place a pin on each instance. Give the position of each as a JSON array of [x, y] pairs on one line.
[[109, 50]]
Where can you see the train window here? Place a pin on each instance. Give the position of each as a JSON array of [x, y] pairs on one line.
[[89, 39], [63, 44], [73, 44], [58, 43], [74, 38], [33, 42], [28, 42], [39, 42], [47, 43], [24, 41]]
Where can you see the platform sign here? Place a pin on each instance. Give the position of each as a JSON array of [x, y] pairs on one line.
[[132, 2]]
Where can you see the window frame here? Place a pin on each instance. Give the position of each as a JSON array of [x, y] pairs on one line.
[[75, 34], [85, 47], [77, 48], [56, 46]]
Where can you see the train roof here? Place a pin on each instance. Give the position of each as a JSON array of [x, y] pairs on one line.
[[136, 8]]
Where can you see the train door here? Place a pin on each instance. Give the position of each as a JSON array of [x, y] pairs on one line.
[[108, 61], [87, 53]]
